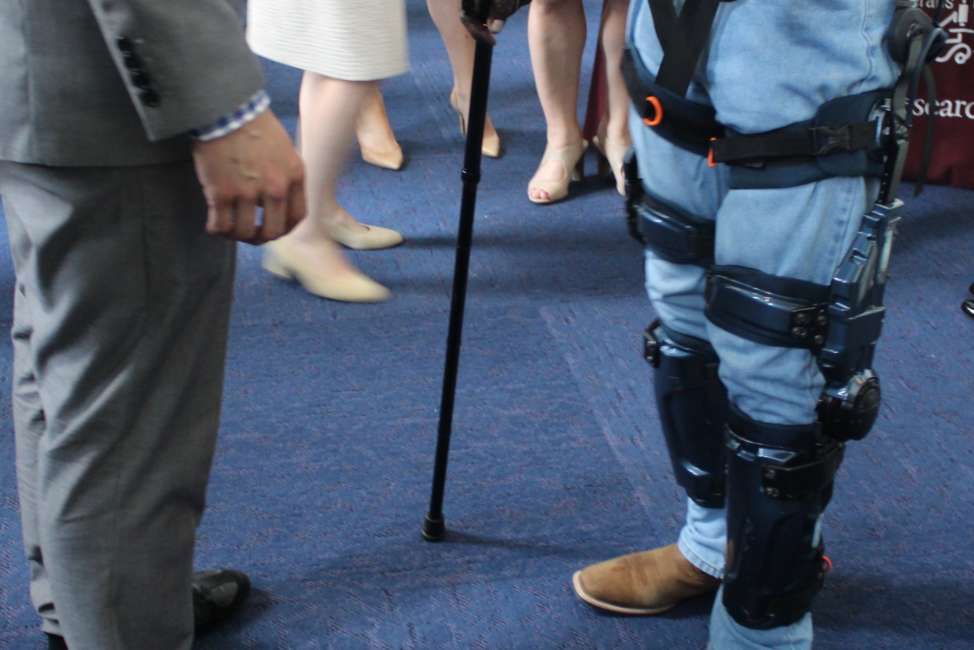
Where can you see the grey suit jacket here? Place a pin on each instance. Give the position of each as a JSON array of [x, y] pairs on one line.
[[117, 82]]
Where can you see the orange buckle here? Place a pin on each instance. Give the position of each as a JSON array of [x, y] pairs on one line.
[[657, 107], [828, 563], [711, 160]]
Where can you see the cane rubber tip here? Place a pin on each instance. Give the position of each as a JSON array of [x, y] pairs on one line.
[[434, 529]]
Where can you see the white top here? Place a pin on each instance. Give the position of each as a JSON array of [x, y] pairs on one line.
[[355, 40]]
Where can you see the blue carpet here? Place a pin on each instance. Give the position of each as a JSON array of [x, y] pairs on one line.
[[322, 474]]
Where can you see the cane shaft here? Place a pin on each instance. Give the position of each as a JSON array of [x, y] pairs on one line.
[[433, 528]]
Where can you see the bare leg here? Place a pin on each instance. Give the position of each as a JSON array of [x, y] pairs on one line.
[[616, 132], [460, 49], [329, 109], [556, 36], [459, 44], [613, 42]]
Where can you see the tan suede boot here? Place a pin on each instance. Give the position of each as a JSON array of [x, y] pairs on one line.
[[649, 582]]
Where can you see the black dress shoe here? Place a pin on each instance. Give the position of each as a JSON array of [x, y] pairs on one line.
[[217, 594]]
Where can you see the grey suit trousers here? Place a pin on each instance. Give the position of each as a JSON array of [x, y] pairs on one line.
[[120, 326]]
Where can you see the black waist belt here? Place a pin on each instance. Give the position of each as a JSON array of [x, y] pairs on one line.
[[857, 135], [843, 139], [841, 125]]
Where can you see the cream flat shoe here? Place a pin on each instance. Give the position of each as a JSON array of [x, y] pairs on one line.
[[281, 261], [367, 238], [571, 159], [491, 145]]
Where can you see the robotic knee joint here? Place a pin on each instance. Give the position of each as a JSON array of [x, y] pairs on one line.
[[692, 404], [840, 323], [779, 481]]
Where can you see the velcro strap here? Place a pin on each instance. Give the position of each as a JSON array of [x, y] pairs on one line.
[[795, 142], [671, 233], [796, 483], [796, 437], [768, 309], [819, 457]]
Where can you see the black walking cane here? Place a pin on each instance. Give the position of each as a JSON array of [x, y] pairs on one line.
[[434, 528]]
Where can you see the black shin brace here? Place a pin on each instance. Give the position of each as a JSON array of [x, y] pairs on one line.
[[779, 481], [692, 406]]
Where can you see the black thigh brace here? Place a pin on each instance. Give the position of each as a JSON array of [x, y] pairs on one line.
[[671, 233]]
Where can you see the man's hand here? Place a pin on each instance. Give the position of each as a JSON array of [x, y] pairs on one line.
[[484, 18], [256, 165]]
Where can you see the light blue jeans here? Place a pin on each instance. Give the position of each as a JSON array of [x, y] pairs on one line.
[[770, 64]]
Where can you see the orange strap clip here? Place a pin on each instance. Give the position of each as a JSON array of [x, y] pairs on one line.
[[711, 160], [657, 107]]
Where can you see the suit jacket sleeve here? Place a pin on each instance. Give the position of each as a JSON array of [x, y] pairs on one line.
[[185, 63]]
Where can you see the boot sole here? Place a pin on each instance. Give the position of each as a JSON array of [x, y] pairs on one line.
[[609, 607]]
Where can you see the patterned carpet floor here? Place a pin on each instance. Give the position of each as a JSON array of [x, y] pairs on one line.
[[322, 473]]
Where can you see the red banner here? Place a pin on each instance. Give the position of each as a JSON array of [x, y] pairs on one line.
[[952, 162]]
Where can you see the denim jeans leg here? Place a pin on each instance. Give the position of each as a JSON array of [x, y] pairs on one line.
[[703, 538], [676, 291], [726, 634]]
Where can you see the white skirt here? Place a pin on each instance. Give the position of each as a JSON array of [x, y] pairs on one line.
[[355, 40]]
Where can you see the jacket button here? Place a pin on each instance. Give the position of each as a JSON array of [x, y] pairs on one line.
[[149, 98], [125, 44], [140, 80], [131, 60]]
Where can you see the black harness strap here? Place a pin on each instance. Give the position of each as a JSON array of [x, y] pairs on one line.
[[685, 123], [915, 41], [928, 139], [683, 37], [664, 19], [661, 99]]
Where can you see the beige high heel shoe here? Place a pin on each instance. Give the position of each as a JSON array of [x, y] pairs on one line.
[[612, 154], [491, 145], [283, 261], [392, 159], [374, 118], [572, 160]]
